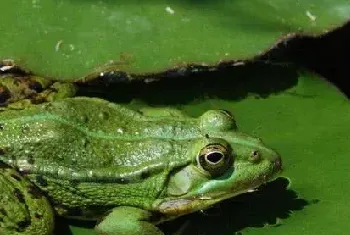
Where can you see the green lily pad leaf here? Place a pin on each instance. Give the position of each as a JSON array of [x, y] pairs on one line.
[[299, 114], [70, 38]]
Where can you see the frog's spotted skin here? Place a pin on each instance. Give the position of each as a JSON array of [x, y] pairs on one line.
[[23, 210], [127, 169], [17, 92]]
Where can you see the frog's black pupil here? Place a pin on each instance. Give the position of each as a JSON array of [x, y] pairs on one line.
[[214, 157]]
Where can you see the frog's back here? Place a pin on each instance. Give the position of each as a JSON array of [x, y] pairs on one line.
[[60, 130], [85, 133]]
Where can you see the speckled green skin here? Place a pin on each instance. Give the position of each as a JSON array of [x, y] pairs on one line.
[[89, 158]]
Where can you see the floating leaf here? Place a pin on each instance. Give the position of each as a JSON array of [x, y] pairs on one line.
[[70, 38]]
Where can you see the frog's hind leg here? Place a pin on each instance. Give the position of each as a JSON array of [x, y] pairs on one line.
[[23, 210], [17, 91]]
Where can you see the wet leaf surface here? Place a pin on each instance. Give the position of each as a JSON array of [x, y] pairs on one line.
[[70, 38]]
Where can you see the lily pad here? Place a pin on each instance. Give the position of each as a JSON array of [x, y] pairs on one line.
[[299, 114], [70, 38]]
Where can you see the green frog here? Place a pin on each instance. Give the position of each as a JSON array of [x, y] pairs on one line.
[[129, 170]]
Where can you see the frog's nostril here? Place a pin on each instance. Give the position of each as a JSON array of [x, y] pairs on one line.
[[278, 163]]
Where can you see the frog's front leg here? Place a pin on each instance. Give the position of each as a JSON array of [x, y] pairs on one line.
[[23, 210], [126, 220]]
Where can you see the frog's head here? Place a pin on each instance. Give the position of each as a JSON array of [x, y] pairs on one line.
[[224, 163]]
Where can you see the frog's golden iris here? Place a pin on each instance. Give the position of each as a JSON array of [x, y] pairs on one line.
[[215, 159]]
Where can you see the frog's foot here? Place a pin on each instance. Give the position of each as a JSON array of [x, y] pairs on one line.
[[125, 220], [23, 210], [20, 91]]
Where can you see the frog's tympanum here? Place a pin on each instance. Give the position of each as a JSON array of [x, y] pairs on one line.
[[89, 158]]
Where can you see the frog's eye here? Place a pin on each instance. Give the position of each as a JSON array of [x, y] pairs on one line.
[[214, 159], [217, 120]]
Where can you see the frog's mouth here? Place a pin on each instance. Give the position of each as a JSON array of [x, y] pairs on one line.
[[185, 205]]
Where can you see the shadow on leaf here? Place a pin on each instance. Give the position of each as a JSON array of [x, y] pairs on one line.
[[62, 225], [265, 207], [234, 83]]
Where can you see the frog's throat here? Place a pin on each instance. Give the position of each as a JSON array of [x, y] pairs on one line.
[[181, 206]]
